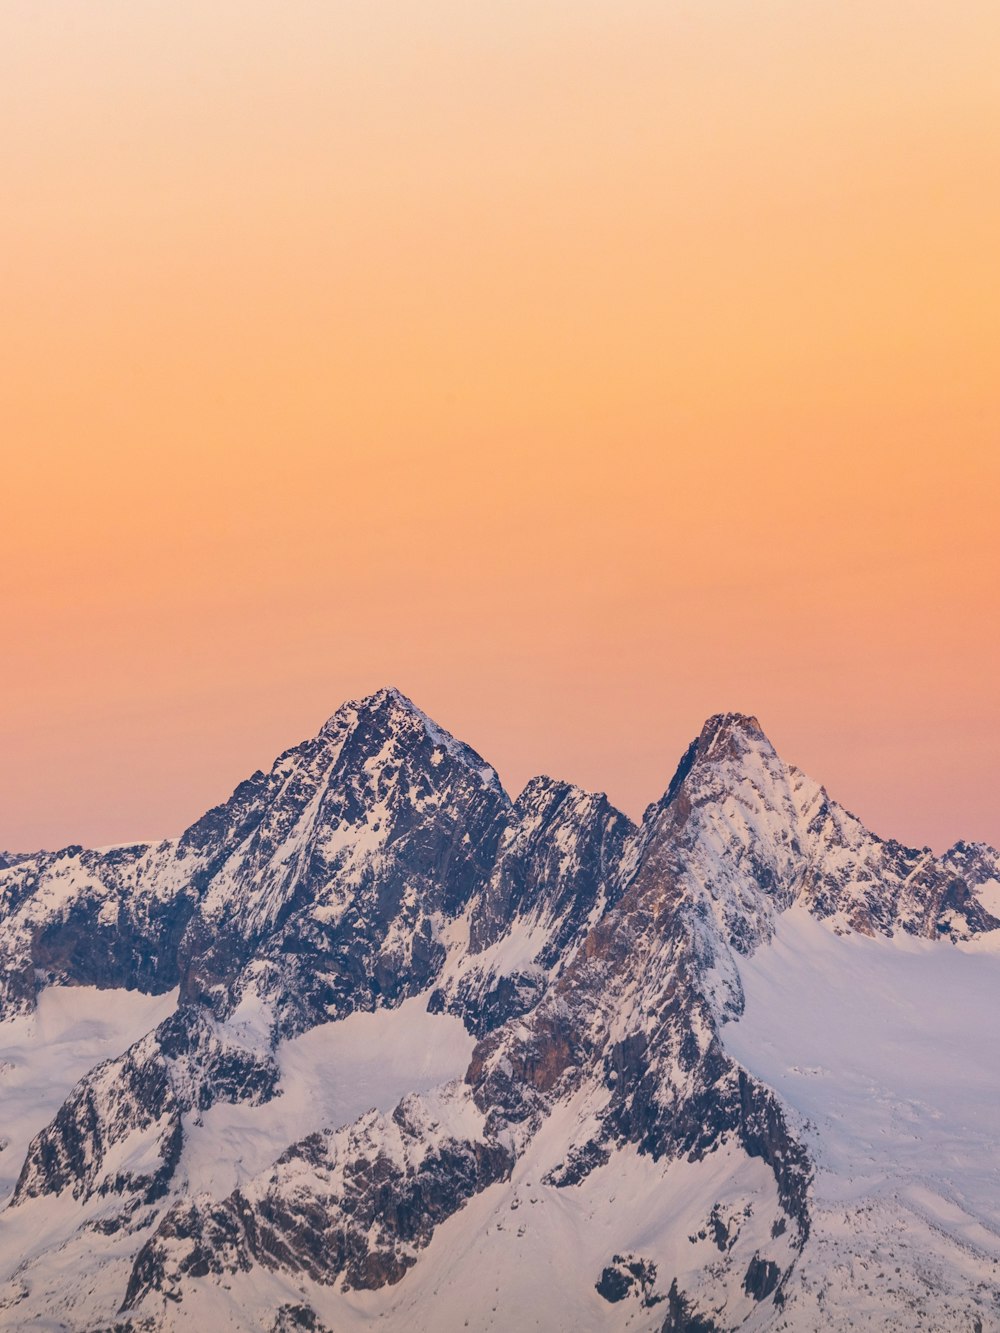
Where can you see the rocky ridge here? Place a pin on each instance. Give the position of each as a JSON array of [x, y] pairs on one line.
[[596, 963]]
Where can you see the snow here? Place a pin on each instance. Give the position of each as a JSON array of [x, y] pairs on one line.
[[526, 1255], [329, 1077], [888, 1053], [885, 1052], [514, 951], [989, 896], [462, 753], [890, 1047], [44, 1054]]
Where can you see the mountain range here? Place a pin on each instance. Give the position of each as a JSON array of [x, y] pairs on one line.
[[373, 1044]]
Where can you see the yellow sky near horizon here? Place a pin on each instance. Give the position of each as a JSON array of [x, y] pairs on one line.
[[581, 369]]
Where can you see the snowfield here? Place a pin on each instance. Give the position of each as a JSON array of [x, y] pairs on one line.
[[43, 1054], [888, 1051], [329, 1077]]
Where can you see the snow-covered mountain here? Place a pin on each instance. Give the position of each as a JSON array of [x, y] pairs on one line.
[[371, 1042]]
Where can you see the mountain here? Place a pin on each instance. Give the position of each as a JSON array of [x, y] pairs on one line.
[[372, 1041]]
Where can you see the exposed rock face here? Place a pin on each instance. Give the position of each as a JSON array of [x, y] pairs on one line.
[[109, 919], [626, 1276], [683, 1318], [597, 964], [557, 863], [367, 841], [317, 890], [357, 1204], [187, 1063], [761, 1278], [633, 1018], [961, 913], [297, 1319], [556, 872], [8, 859]]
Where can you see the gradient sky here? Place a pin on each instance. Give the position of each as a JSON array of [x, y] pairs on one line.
[[583, 369]]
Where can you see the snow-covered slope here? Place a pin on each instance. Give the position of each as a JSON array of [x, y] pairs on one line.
[[43, 1054], [443, 1060], [888, 1054]]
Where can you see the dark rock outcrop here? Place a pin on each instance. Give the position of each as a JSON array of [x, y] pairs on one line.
[[762, 1277], [355, 1205], [627, 1275]]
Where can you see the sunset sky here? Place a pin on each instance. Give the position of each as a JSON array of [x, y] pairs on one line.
[[582, 369]]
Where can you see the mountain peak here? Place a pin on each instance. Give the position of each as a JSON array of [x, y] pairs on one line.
[[390, 712], [724, 737], [733, 738], [720, 728], [390, 696], [386, 699]]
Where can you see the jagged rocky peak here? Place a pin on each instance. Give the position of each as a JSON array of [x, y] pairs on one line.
[[377, 763], [362, 748], [109, 919], [383, 817], [387, 714], [731, 757], [559, 855], [748, 834], [366, 840], [730, 746], [726, 735], [8, 859], [977, 862], [557, 870], [732, 819]]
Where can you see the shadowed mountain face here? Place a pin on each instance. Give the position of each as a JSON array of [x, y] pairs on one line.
[[381, 869]]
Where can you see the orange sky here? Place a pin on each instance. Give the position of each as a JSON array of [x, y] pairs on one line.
[[580, 368]]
